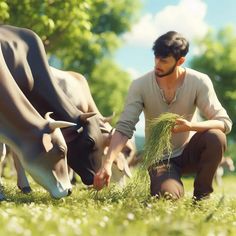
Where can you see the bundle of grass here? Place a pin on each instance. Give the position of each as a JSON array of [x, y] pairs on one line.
[[159, 141]]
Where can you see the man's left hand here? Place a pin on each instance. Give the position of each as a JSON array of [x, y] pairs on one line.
[[181, 125]]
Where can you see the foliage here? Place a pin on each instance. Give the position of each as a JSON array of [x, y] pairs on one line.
[[80, 34], [116, 212], [217, 58], [159, 140], [231, 151], [110, 84], [77, 32]]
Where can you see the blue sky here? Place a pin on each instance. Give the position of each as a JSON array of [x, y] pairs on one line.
[[192, 18]]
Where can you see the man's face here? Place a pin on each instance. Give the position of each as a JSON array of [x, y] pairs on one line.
[[164, 66]]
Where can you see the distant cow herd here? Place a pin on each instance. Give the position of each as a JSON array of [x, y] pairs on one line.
[[49, 120]]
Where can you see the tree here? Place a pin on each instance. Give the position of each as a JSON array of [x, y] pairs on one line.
[[79, 34], [109, 83], [217, 58]]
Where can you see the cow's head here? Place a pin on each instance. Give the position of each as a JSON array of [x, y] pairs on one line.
[[85, 144], [49, 166]]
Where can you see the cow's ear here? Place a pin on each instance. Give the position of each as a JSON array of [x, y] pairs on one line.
[[123, 166], [47, 142], [127, 170], [106, 139]]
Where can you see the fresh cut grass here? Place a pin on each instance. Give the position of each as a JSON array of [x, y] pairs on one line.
[[159, 140]]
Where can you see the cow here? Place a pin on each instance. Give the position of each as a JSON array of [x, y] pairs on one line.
[[76, 88], [225, 164], [25, 57], [38, 141]]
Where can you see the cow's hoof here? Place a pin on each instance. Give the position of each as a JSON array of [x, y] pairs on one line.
[[69, 192], [73, 181], [2, 197], [25, 190]]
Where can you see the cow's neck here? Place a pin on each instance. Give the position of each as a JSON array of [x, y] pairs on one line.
[[48, 95]]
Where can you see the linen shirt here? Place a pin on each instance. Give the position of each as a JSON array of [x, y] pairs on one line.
[[196, 91]]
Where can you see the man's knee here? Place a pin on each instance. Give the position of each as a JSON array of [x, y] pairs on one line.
[[216, 138], [169, 189], [216, 143]]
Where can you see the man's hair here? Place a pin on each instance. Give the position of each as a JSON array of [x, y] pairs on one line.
[[171, 44]]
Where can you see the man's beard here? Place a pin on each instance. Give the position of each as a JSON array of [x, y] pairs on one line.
[[170, 71]]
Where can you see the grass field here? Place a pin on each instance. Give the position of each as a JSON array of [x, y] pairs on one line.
[[117, 212]]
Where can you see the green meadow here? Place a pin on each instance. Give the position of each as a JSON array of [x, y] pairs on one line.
[[114, 211]]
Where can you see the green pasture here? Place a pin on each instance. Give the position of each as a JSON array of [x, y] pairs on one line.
[[113, 211]]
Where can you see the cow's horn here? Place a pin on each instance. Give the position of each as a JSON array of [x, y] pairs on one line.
[[57, 124], [108, 118], [85, 116], [47, 116], [60, 124]]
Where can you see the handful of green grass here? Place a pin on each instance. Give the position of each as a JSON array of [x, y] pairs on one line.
[[159, 141]]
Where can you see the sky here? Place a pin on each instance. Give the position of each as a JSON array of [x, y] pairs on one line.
[[192, 18]]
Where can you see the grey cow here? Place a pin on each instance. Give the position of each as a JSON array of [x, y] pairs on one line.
[[38, 142]]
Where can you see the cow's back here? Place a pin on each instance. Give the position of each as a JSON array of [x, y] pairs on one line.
[[14, 44]]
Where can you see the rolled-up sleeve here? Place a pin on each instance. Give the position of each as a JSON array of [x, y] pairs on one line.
[[132, 110], [209, 105]]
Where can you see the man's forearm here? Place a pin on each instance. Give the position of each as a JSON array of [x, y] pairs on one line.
[[117, 143], [208, 124]]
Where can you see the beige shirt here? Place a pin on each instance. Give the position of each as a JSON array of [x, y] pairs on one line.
[[196, 92]]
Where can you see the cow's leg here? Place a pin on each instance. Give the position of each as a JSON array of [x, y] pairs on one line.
[[2, 196], [22, 181], [2, 157], [72, 176]]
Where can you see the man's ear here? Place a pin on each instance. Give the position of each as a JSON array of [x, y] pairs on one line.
[[181, 61]]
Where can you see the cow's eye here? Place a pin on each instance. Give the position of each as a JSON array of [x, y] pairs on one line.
[[90, 143]]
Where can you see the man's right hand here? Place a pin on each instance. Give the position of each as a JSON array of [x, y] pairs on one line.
[[103, 176]]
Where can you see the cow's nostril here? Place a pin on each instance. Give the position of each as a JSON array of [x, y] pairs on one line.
[[69, 192]]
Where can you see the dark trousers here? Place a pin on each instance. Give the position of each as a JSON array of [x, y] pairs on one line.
[[201, 156]]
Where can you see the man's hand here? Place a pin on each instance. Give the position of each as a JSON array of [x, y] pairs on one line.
[[103, 176], [181, 125]]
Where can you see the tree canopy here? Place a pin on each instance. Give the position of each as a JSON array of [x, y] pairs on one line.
[[80, 34], [77, 32], [110, 84], [217, 58]]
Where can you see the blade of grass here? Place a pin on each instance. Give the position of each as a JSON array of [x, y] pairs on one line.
[[159, 141]]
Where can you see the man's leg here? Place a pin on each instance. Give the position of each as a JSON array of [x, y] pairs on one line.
[[165, 181], [202, 156]]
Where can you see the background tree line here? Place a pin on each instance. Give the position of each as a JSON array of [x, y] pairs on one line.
[[217, 58], [83, 35]]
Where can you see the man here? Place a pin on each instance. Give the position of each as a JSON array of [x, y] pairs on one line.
[[198, 146]]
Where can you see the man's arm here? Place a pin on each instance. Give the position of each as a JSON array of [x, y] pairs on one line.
[[103, 176], [211, 109], [183, 125]]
